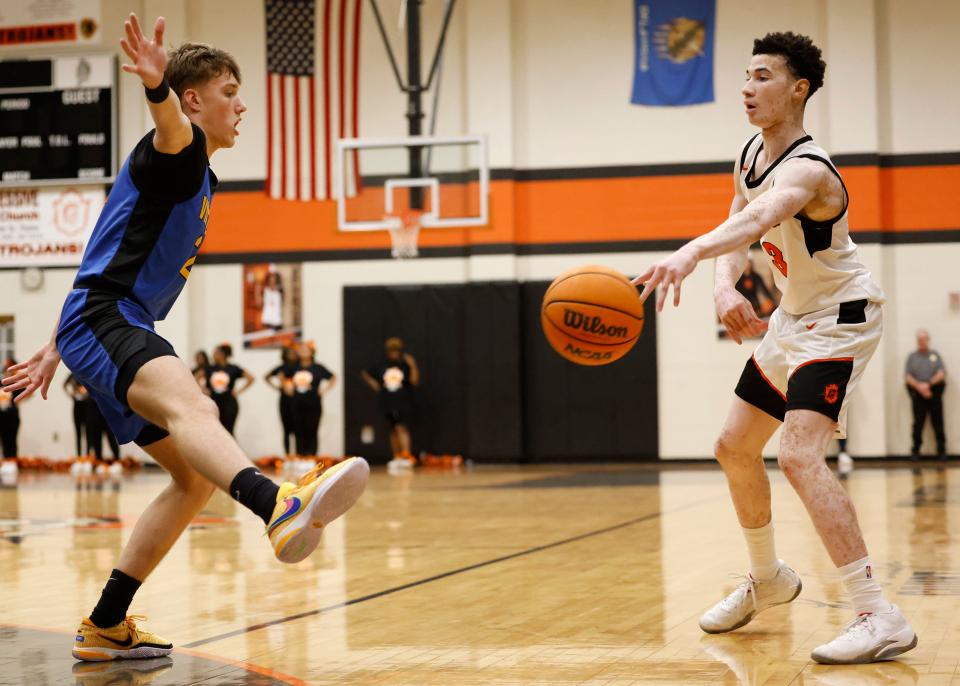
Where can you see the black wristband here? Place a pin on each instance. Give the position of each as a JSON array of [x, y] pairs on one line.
[[158, 94]]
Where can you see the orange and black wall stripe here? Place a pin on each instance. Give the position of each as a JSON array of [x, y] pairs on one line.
[[894, 199]]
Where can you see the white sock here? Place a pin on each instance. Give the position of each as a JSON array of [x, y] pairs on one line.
[[764, 564], [865, 593]]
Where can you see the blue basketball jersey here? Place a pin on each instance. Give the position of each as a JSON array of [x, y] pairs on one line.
[[152, 226]]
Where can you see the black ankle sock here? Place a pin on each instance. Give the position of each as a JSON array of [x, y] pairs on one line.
[[115, 600], [254, 491]]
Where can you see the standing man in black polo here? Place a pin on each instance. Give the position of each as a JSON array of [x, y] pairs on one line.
[[926, 380]]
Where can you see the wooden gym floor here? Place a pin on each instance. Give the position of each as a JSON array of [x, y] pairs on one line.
[[553, 575]]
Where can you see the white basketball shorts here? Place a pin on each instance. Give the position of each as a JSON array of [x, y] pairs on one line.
[[812, 361]]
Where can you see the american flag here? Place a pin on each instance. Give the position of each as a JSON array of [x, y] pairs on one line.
[[301, 85]]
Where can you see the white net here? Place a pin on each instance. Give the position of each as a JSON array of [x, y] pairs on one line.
[[404, 232]]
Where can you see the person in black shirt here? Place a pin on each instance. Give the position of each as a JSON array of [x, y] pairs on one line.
[[201, 363], [221, 380], [394, 379], [89, 422], [9, 424], [81, 398], [280, 378], [311, 381], [96, 427]]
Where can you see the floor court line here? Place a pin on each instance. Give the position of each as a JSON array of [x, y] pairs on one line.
[[443, 575]]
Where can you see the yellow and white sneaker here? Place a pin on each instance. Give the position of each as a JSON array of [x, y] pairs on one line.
[[121, 642], [303, 509]]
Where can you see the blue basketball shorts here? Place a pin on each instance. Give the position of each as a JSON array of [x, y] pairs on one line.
[[104, 339]]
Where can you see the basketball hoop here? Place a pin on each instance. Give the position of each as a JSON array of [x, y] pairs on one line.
[[404, 231]]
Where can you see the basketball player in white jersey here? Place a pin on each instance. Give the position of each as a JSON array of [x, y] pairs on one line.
[[790, 198]]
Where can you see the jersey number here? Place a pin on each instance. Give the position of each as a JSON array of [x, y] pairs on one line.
[[774, 252], [188, 265], [204, 217]]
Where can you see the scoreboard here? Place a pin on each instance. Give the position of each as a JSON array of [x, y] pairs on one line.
[[58, 122]]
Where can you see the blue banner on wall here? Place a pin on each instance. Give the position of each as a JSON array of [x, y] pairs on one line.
[[673, 64]]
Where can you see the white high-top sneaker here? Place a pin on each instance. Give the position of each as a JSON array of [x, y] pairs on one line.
[[749, 599], [870, 637]]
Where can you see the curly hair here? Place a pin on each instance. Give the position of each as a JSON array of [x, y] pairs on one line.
[[193, 64], [804, 59]]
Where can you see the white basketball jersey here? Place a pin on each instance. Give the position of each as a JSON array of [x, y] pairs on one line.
[[814, 263]]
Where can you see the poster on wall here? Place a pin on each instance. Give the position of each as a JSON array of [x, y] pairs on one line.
[[673, 53], [757, 286], [272, 312], [47, 227], [39, 22]]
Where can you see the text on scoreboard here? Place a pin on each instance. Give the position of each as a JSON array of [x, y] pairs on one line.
[[58, 120]]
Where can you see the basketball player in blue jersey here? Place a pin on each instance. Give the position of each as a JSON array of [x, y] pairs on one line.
[[137, 262], [789, 196]]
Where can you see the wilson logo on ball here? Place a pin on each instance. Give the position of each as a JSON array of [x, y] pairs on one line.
[[593, 325]]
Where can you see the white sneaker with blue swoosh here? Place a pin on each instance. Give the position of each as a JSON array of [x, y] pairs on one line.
[[304, 508]]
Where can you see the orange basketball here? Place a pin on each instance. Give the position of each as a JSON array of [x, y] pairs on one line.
[[592, 315]]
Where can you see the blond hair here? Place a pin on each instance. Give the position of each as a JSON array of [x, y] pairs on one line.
[[194, 64]]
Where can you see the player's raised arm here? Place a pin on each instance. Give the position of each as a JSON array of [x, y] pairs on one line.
[[149, 58], [798, 183]]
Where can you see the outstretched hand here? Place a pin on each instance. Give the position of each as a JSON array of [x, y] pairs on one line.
[[37, 372], [668, 272], [148, 55]]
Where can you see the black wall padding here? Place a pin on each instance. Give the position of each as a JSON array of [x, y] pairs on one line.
[[577, 412], [465, 339], [492, 388], [494, 392]]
